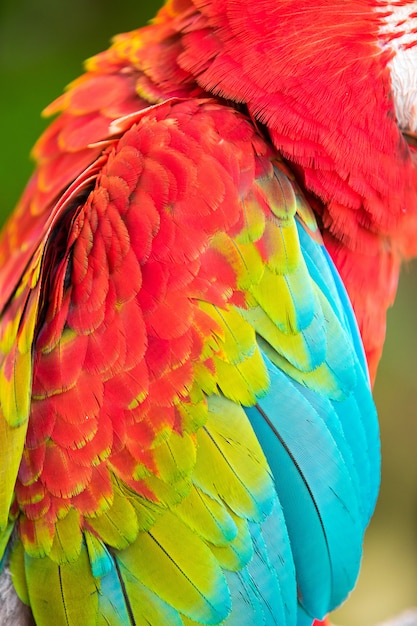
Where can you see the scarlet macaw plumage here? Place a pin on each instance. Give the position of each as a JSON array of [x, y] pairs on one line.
[[186, 412]]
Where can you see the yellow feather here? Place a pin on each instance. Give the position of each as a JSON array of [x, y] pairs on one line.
[[209, 518], [194, 414], [66, 546], [283, 246], [168, 495], [289, 300], [5, 536], [205, 378], [147, 512], [306, 350], [251, 265], [12, 439], [25, 337], [17, 570], [68, 592], [42, 537], [231, 466], [243, 257], [16, 365], [15, 387], [238, 339], [243, 382], [254, 219], [175, 458], [192, 581], [118, 526], [323, 379], [100, 559], [147, 608]]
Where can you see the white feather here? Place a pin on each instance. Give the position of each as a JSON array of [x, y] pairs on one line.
[[399, 32]]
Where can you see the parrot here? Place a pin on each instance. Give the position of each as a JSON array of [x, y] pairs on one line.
[[193, 298]]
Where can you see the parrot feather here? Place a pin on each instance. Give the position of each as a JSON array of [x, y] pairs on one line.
[[186, 295], [193, 581], [70, 601], [207, 517], [17, 565], [112, 605], [144, 606], [154, 443]]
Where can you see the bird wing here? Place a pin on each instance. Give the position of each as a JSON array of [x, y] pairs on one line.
[[185, 404]]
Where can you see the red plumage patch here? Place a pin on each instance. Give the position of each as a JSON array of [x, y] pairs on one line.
[[122, 330], [32, 463], [304, 88], [97, 495], [62, 477]]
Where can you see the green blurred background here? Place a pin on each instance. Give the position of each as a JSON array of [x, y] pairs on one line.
[[42, 45]]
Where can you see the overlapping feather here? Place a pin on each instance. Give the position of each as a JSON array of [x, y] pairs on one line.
[[177, 291]]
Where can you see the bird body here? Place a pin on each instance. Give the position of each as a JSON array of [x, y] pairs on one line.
[[186, 409]]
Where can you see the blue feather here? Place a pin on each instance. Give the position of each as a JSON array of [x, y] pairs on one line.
[[264, 591], [328, 486], [324, 273], [112, 609]]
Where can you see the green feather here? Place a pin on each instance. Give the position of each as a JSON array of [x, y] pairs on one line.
[[254, 218], [192, 581], [12, 439], [175, 458], [4, 540], [239, 551], [117, 526], [146, 607], [242, 382], [17, 570], [66, 545], [289, 299], [305, 350], [100, 559], [231, 466], [68, 592], [209, 518]]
